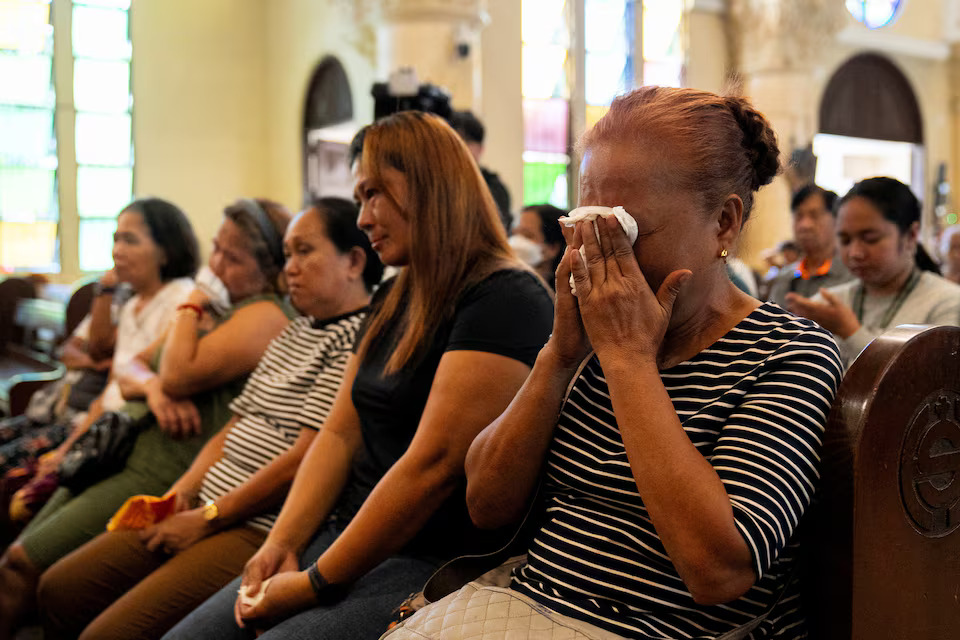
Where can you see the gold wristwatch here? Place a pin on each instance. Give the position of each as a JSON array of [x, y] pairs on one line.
[[210, 511]]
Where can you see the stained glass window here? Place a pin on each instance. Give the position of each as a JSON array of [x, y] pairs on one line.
[[28, 145], [101, 98], [546, 105], [663, 53], [874, 13], [612, 49], [104, 137]]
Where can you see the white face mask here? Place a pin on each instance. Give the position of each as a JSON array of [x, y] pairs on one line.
[[207, 281], [526, 249], [591, 214]]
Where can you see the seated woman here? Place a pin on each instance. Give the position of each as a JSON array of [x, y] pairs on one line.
[[142, 583], [538, 225], [187, 391], [680, 465], [896, 281], [158, 282], [448, 343]]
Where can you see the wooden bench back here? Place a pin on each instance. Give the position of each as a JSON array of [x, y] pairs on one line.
[[885, 552]]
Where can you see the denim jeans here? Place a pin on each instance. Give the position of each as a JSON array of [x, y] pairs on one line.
[[364, 613]]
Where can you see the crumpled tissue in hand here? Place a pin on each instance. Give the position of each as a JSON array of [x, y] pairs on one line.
[[591, 214], [251, 601]]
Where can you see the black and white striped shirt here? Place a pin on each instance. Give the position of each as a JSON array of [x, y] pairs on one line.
[[755, 404], [292, 388]]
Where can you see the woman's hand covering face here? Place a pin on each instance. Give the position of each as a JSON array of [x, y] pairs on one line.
[[618, 309]]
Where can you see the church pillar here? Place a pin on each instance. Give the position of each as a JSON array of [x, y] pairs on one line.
[[775, 46]]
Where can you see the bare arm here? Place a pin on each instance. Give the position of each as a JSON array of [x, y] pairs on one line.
[[191, 364], [428, 472], [135, 377], [261, 491], [323, 471], [75, 356], [686, 499], [187, 486], [103, 334], [267, 487], [498, 488], [412, 490]]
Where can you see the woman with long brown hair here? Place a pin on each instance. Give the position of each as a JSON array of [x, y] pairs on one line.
[[450, 340]]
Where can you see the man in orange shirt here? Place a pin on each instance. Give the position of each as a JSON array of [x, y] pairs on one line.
[[813, 231]]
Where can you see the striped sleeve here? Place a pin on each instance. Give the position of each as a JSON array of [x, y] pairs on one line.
[[319, 400], [768, 452]]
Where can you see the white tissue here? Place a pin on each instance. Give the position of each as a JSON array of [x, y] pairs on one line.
[[207, 281], [251, 601], [579, 214]]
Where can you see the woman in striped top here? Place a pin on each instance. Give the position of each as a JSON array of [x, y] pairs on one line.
[[677, 472], [142, 583]]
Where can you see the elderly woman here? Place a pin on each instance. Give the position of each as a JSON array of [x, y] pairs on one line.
[[896, 281], [674, 476], [448, 343]]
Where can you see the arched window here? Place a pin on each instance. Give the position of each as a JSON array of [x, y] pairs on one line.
[[327, 129], [870, 124]]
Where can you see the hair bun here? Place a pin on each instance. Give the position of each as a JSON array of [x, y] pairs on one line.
[[759, 140]]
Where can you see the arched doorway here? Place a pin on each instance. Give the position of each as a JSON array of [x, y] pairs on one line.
[[327, 129], [870, 124]]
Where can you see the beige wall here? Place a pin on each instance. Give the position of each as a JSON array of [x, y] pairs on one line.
[[219, 97], [199, 113], [502, 110], [299, 34]]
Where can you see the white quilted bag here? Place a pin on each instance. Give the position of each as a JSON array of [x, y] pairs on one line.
[[492, 613]]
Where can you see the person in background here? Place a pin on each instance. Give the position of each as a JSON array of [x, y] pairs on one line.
[[138, 584], [896, 281], [378, 501], [178, 388], [469, 127], [542, 241], [814, 221], [950, 253]]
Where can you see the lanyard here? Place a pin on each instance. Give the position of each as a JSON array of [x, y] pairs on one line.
[[894, 307]]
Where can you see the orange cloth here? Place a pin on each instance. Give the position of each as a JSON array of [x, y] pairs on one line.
[[140, 512], [803, 271]]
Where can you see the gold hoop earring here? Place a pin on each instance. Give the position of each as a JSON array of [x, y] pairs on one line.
[[723, 254]]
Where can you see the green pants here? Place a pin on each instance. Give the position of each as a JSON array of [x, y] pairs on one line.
[[66, 522]]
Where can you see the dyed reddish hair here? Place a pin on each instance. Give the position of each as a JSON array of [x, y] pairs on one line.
[[710, 145]]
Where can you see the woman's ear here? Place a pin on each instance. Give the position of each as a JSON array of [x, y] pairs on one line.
[[913, 232], [358, 262], [729, 221]]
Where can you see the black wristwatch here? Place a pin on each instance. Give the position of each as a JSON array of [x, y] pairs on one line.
[[101, 289], [325, 592]]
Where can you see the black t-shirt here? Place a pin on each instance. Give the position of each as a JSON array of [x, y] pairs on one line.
[[509, 313]]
